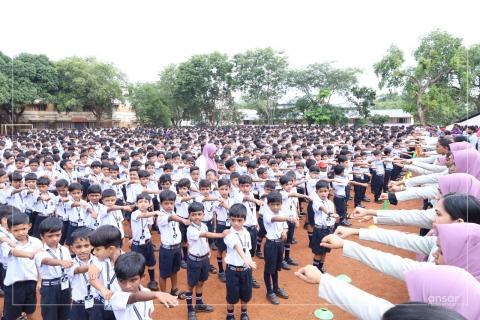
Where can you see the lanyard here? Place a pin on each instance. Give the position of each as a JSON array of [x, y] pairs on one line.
[[143, 228], [199, 228], [109, 281], [84, 276], [144, 311], [50, 252], [98, 213], [244, 245]]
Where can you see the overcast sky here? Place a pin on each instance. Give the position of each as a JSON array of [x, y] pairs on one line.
[[142, 37]]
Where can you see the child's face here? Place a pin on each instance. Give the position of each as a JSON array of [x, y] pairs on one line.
[[76, 194], [42, 188], [109, 201], [211, 177], [234, 182], [94, 197], [204, 191], [245, 187], [288, 186], [33, 166], [224, 191], [143, 204], [251, 170], [196, 217], [237, 223], [323, 193], [275, 206], [144, 181], [48, 166], [195, 174], [166, 185], [167, 171], [17, 184], [114, 173], [102, 252], [106, 172], [19, 164], [134, 175], [150, 169], [62, 191], [168, 205], [130, 285], [96, 170], [81, 248], [183, 191], [52, 239], [232, 168], [20, 231], [3, 179], [274, 167]]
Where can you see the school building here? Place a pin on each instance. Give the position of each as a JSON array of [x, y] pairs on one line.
[[45, 116], [396, 117]]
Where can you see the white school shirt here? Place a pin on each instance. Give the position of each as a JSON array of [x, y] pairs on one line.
[[274, 229], [71, 178], [52, 272], [106, 275], [181, 207], [101, 211], [3, 258], [132, 191], [21, 269], [208, 206], [323, 218], [115, 218], [311, 186], [29, 198], [378, 167], [77, 214], [288, 205], [340, 186], [169, 230], [135, 311], [45, 208], [197, 246], [221, 212], [80, 282], [251, 219], [194, 184], [241, 237], [61, 208], [14, 199], [140, 226]]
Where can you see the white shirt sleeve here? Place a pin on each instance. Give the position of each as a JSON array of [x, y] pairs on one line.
[[431, 178], [394, 238], [430, 167], [427, 192], [351, 299], [119, 300], [387, 263], [417, 218]]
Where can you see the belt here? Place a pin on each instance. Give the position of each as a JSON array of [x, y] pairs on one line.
[[101, 299], [197, 258], [78, 301], [323, 227], [250, 228], [221, 223], [75, 224], [235, 268], [137, 243], [275, 240], [174, 246], [52, 282]]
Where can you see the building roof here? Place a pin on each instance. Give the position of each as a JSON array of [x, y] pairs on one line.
[[391, 113], [249, 114]]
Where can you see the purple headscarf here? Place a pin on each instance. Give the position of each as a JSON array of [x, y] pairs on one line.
[[460, 245], [209, 153], [460, 182], [445, 286], [467, 161], [456, 146]]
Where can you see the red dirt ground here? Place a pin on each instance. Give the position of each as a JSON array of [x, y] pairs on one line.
[[304, 298]]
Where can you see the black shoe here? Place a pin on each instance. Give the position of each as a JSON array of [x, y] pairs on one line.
[[272, 297], [222, 277], [285, 265], [213, 270], [153, 285], [192, 315], [291, 262], [255, 283], [203, 308], [183, 264], [366, 199], [244, 316], [259, 254], [345, 223], [281, 293]]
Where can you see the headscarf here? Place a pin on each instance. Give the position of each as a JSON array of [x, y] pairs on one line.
[[463, 145], [208, 149], [460, 245], [460, 182], [467, 161], [446, 286]]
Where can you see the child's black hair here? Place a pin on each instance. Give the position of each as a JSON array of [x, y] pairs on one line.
[[238, 210], [261, 171], [184, 182], [17, 219], [109, 193], [229, 163], [322, 184], [195, 207], [82, 233], [62, 183], [224, 182], [50, 224], [269, 184], [106, 236], [94, 188], [285, 179], [144, 196], [129, 265], [274, 197], [234, 175], [30, 177], [16, 176], [96, 164], [143, 174], [194, 168], [244, 179], [7, 210], [43, 181], [164, 178], [338, 170], [74, 186], [204, 183], [167, 195]]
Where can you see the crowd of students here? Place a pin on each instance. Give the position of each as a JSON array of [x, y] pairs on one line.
[[72, 199]]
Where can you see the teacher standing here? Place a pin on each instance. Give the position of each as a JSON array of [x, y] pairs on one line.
[[207, 159]]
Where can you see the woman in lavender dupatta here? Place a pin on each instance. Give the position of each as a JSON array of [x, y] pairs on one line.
[[207, 159], [466, 161]]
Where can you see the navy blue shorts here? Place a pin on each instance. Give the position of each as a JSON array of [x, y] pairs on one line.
[[273, 256], [197, 271], [239, 285], [183, 231], [290, 232], [66, 225], [253, 238], [169, 261], [221, 246], [261, 228], [146, 250], [310, 214], [317, 236], [54, 302], [19, 297], [78, 311]]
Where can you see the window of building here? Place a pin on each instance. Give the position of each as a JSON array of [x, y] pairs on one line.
[[403, 120]]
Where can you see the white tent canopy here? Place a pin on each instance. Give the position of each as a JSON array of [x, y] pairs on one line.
[[472, 121]]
